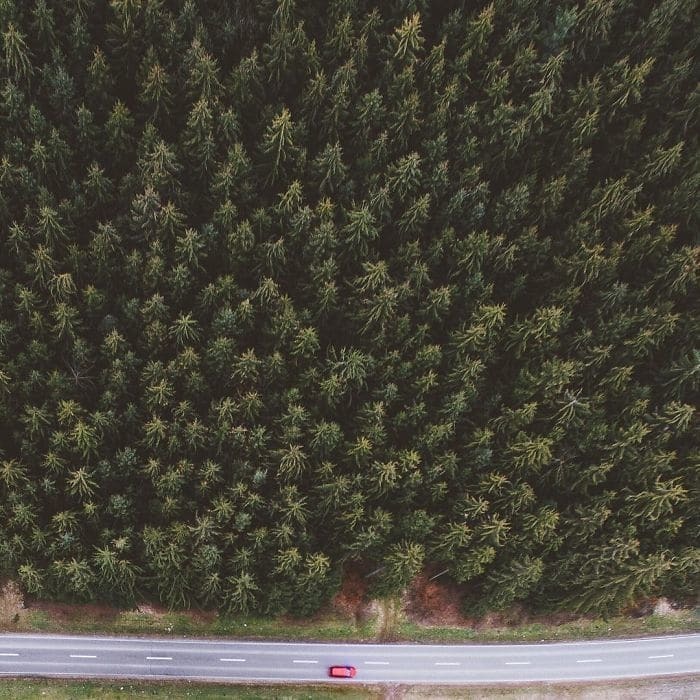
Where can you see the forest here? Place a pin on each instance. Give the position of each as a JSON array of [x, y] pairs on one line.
[[294, 286]]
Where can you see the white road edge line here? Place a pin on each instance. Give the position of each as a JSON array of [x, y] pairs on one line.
[[304, 661], [588, 661], [447, 663], [83, 656], [661, 656], [377, 663], [148, 640], [518, 663], [159, 658], [8, 654], [231, 659]]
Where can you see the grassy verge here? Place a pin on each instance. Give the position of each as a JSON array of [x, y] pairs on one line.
[[18, 689], [388, 626], [326, 628], [679, 622], [683, 688], [387, 623]]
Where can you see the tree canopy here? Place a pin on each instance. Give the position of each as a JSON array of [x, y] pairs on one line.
[[288, 285]]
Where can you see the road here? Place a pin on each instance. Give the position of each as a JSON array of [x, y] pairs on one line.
[[235, 661]]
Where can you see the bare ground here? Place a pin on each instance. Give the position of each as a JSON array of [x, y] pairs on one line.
[[12, 610], [351, 601], [434, 602]]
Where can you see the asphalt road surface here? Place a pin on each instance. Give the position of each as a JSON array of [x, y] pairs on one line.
[[235, 661]]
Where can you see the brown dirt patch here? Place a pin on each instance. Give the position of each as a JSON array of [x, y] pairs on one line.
[[68, 612], [205, 617], [12, 609], [351, 599], [433, 602], [151, 609], [504, 618], [146, 609]]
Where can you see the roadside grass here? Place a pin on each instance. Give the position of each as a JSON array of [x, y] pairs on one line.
[[29, 689], [389, 625], [681, 688], [326, 627], [597, 628], [678, 688], [383, 621]]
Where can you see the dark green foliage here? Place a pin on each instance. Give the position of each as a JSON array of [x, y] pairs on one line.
[[286, 285]]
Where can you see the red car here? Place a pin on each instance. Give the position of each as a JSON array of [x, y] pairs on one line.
[[342, 671]]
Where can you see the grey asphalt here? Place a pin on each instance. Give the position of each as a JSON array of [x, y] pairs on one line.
[[236, 661]]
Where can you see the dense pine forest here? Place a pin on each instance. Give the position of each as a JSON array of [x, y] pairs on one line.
[[294, 286]]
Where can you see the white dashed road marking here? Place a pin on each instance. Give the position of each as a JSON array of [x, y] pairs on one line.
[[447, 663], [518, 663], [231, 659], [661, 656], [377, 663], [588, 661], [7, 653], [82, 656], [159, 658], [304, 661]]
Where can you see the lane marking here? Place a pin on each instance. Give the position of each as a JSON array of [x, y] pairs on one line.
[[518, 663], [377, 663], [304, 661], [159, 658], [661, 656], [8, 654], [447, 663], [231, 659], [588, 661], [82, 656]]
